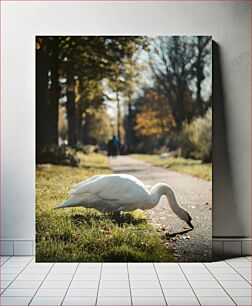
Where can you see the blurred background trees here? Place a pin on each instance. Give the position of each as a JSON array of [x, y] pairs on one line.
[[154, 94]]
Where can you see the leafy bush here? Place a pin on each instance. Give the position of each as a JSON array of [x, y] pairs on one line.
[[52, 154], [196, 138]]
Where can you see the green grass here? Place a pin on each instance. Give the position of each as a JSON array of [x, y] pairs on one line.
[[189, 166], [85, 235]]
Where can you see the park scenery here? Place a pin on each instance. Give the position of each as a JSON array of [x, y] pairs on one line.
[[123, 148]]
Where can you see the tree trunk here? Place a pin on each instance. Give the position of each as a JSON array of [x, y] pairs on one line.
[[54, 92], [200, 78], [85, 130], [129, 131], [118, 118], [180, 113], [42, 120], [79, 124], [80, 112], [71, 109]]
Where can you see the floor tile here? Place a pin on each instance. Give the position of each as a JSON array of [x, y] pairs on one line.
[[172, 276], [8, 270], [51, 292], [15, 300], [31, 270], [55, 284], [141, 271], [235, 284], [229, 276], [65, 265], [243, 300], [92, 264], [210, 292], [9, 276], [21, 258], [59, 277], [204, 284], [146, 292], [217, 264], [3, 259], [239, 291], [82, 292], [140, 264], [200, 276], [14, 264], [47, 300], [147, 300], [248, 277], [191, 264], [20, 292], [241, 264], [103, 300], [144, 284], [5, 283], [143, 277], [169, 270], [112, 277], [237, 259], [114, 270], [114, 284], [40, 265], [166, 264], [88, 270], [115, 264], [25, 284], [80, 300], [85, 284], [219, 270], [189, 300], [178, 292], [243, 270], [27, 276], [195, 270], [86, 277], [174, 284], [63, 270], [114, 292], [220, 300]]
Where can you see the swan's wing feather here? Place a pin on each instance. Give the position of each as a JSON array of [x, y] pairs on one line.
[[88, 180], [84, 185], [120, 188]]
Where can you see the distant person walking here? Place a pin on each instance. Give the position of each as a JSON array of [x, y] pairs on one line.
[[115, 146], [112, 146]]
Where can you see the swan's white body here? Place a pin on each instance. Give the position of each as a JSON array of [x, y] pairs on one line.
[[121, 192]]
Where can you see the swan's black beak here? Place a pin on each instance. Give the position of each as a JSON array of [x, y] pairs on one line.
[[190, 224]]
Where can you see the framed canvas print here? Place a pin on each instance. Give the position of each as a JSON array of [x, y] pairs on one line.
[[123, 148]]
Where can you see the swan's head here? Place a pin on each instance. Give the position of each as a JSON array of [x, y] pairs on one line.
[[185, 216], [188, 220]]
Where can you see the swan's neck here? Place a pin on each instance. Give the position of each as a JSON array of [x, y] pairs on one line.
[[162, 189]]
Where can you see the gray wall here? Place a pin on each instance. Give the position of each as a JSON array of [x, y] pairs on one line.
[[227, 22]]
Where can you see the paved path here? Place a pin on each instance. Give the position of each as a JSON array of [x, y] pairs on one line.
[[192, 193]]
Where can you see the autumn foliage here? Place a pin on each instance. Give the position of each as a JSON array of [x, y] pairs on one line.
[[154, 117]]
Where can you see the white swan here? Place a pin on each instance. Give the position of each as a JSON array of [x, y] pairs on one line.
[[121, 192]]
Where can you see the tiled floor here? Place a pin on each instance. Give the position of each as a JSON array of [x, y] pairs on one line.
[[24, 282]]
